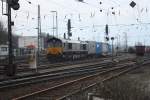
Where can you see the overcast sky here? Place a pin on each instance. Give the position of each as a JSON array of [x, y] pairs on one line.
[[87, 21]]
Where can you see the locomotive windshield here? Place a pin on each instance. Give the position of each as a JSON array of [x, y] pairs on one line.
[[54, 42]]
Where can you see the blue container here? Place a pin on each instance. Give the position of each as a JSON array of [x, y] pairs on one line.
[[98, 48], [109, 48]]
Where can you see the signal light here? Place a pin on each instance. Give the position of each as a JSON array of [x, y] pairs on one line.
[[69, 25], [80, 0], [69, 28], [132, 4], [14, 4], [107, 38], [112, 38], [106, 29]]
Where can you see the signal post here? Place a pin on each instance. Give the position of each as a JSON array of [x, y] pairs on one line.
[[11, 67]]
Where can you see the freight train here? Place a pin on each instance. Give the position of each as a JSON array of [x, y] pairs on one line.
[[71, 49], [140, 50]]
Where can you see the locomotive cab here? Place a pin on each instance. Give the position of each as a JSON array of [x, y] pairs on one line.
[[54, 47]]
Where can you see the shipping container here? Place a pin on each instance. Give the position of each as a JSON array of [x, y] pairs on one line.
[[105, 49], [91, 47], [98, 48], [109, 49]]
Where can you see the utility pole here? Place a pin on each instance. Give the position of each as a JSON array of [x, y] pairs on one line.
[[39, 31], [118, 44], [41, 42], [126, 42], [53, 25], [56, 23]]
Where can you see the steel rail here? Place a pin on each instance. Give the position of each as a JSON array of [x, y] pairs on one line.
[[49, 76], [23, 67], [92, 85], [106, 79], [42, 67], [71, 82]]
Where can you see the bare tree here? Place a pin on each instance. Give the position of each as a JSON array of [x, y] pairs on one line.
[[3, 34]]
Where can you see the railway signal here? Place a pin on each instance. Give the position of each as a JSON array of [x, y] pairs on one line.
[[112, 38], [106, 29], [132, 4], [14, 4], [11, 68], [69, 28], [80, 0]]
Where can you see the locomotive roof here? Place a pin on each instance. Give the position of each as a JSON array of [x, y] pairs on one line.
[[96, 42], [63, 40], [53, 38], [70, 41], [73, 41]]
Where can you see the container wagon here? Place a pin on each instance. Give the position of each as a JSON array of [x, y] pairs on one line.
[[140, 50]]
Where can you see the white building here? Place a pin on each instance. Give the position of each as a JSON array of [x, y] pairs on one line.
[[25, 41]]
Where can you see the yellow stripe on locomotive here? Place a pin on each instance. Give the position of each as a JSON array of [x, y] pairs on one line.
[[54, 50]]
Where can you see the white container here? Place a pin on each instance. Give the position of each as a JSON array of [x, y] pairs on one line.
[[91, 47]]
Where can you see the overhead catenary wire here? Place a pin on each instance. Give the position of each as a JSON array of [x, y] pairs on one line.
[[95, 25], [44, 15]]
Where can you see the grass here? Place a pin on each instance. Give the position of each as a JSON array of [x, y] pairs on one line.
[[123, 89]]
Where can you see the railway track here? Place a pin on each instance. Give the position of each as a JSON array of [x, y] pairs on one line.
[[56, 74], [60, 90], [64, 90], [22, 68], [25, 67], [88, 88], [57, 78], [59, 66]]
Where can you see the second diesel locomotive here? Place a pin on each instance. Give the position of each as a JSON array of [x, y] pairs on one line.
[[69, 49]]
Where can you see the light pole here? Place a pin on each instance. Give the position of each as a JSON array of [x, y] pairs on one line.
[[112, 39], [126, 42], [117, 44], [56, 23], [39, 44]]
